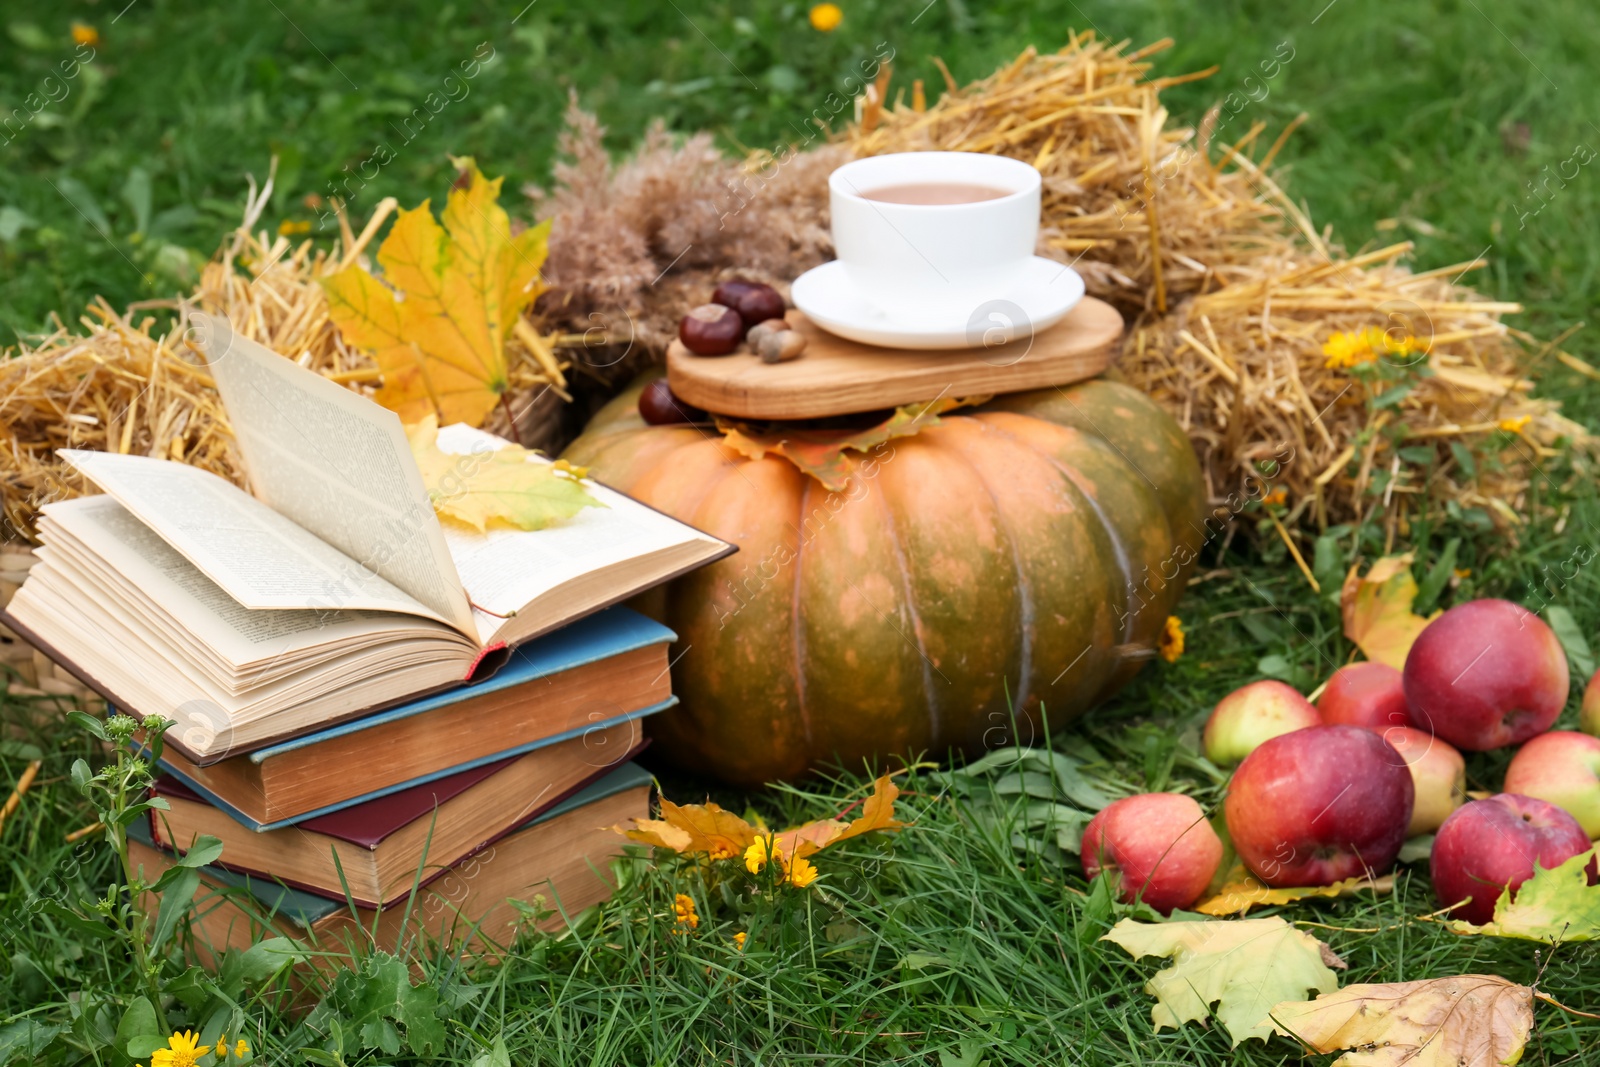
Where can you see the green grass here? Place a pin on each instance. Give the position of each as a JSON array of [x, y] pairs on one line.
[[939, 946]]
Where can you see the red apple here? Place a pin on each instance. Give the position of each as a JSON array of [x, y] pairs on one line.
[[1490, 845], [1320, 805], [1562, 767], [1161, 846], [1589, 714], [1438, 773], [1364, 694], [1485, 674], [1252, 714]]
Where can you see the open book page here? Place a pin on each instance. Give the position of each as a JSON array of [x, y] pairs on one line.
[[505, 570], [262, 643], [337, 464], [259, 557]]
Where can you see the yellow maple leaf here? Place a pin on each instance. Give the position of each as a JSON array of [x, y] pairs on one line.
[[1471, 1020], [495, 487], [438, 328], [721, 834], [1244, 967], [1242, 891], [1377, 613]]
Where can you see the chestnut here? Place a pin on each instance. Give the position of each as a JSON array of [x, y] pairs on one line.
[[711, 330], [660, 406], [753, 301]]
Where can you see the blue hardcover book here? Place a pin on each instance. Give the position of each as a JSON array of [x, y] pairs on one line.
[[559, 855], [575, 696]]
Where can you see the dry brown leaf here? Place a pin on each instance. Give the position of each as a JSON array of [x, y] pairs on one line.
[[1377, 610], [1472, 1020]]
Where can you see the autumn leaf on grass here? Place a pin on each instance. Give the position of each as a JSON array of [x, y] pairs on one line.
[[1556, 904], [438, 321], [821, 453], [1377, 610], [719, 834], [1473, 1020], [496, 487], [1243, 891], [1244, 967]]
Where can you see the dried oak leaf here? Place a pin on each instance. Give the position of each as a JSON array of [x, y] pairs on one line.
[[1472, 1020], [1556, 904], [438, 321], [1377, 610], [1244, 967], [1243, 891], [507, 486]]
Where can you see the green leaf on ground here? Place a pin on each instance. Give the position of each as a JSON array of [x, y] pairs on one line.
[[1244, 967], [1570, 634]]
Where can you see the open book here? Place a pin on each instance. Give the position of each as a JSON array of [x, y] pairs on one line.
[[332, 591]]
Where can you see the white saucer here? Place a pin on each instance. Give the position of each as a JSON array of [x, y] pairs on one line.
[[1046, 292]]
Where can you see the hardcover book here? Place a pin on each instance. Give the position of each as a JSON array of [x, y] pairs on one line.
[[569, 700], [332, 591], [561, 856], [376, 851]]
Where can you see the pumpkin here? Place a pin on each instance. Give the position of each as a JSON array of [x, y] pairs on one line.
[[1015, 557]]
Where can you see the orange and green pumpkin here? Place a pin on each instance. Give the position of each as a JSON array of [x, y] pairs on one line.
[[1024, 554]]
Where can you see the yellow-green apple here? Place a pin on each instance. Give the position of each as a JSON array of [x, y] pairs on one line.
[[1589, 714], [1252, 714], [1438, 774], [1491, 845], [1319, 805], [1485, 674], [1563, 767], [1364, 694], [1160, 845]]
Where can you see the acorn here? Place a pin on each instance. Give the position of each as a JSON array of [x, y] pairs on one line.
[[780, 346], [755, 302], [711, 330]]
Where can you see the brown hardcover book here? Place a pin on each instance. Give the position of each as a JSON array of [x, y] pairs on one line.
[[562, 857], [328, 592], [375, 851], [575, 696]]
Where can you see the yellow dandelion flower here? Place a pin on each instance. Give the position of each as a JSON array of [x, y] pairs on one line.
[[757, 855], [1349, 349], [83, 33], [799, 872], [1516, 425], [222, 1046], [1170, 643], [241, 1049], [683, 908], [826, 17], [291, 227], [1463, 572], [722, 851], [183, 1050], [738, 940]]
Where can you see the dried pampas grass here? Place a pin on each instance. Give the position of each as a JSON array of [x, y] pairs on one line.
[[637, 243]]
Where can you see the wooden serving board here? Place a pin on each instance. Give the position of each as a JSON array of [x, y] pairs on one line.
[[839, 377]]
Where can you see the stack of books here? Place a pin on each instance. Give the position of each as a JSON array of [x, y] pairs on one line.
[[397, 729]]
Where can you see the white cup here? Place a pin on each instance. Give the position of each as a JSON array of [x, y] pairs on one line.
[[919, 261]]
